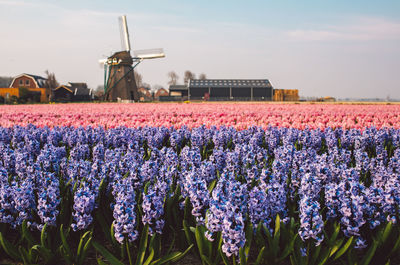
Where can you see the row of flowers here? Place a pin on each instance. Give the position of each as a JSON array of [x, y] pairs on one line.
[[239, 116], [326, 193]]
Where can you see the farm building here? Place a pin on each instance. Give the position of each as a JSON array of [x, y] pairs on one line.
[[286, 95], [144, 94], [176, 93], [72, 92], [230, 89], [162, 92], [32, 87]]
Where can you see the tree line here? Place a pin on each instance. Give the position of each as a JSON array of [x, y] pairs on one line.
[[173, 77]]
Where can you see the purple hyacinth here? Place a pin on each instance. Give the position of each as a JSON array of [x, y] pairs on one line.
[[84, 204], [48, 201], [153, 207], [124, 210]]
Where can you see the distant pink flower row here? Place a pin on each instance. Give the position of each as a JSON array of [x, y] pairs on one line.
[[240, 115]]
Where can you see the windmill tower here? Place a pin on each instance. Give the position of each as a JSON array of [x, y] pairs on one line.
[[119, 78]]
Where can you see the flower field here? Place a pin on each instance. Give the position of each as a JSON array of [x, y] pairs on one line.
[[239, 115], [221, 183]]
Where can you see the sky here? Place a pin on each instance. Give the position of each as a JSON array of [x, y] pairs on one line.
[[344, 49]]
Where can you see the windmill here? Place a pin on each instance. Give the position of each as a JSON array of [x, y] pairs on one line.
[[119, 78]]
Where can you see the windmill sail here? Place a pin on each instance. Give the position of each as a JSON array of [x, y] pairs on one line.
[[149, 53], [123, 29]]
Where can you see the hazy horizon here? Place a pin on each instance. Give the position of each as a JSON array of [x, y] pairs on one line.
[[329, 48]]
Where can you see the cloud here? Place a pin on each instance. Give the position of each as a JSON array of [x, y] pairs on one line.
[[359, 29], [15, 3]]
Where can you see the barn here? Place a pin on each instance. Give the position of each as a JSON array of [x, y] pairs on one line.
[[162, 92], [72, 92], [28, 85], [230, 89]]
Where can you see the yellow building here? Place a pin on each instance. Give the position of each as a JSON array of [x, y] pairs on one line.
[[286, 95]]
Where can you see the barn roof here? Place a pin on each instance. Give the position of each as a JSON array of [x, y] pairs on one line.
[[78, 89], [77, 85], [193, 83], [81, 91], [178, 88], [68, 88], [39, 80]]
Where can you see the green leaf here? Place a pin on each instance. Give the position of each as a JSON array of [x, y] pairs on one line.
[[386, 233], [395, 247], [167, 258], [336, 246], [268, 234], [242, 256], [249, 239], [212, 185], [335, 233], [106, 254], [24, 255], [260, 256], [206, 260], [142, 245], [75, 187], [370, 253], [187, 232], [293, 260], [9, 248], [100, 262], [199, 240], [26, 234], [82, 241], [43, 235], [258, 237], [128, 251], [275, 241], [344, 248], [82, 257], [146, 187], [224, 258], [289, 248], [234, 260], [44, 252], [186, 212], [324, 257], [217, 247], [315, 254], [183, 254], [149, 258], [103, 225], [65, 245], [170, 247], [112, 235]]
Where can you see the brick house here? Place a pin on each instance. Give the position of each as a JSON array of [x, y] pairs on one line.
[[33, 83], [162, 92]]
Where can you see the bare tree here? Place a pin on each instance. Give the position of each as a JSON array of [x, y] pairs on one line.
[[51, 83], [173, 78], [202, 76], [138, 79], [5, 81], [187, 76], [146, 86], [99, 92]]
